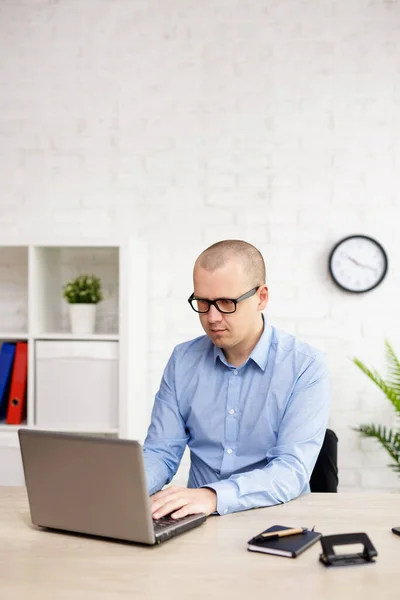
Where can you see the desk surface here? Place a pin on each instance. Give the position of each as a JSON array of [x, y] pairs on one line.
[[211, 561]]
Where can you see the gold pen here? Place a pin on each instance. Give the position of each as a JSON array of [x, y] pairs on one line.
[[282, 533]]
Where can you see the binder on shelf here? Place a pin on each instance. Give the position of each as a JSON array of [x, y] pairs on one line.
[[7, 353], [16, 411]]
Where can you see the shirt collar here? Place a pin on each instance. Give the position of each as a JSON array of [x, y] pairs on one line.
[[259, 354]]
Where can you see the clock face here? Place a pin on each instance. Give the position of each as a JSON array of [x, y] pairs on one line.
[[358, 263]]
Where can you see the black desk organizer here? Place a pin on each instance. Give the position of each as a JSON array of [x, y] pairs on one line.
[[330, 559]]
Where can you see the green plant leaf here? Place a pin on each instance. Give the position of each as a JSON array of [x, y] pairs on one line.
[[393, 369], [392, 392], [84, 289], [388, 438]]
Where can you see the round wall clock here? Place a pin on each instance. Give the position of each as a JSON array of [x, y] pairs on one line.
[[358, 263]]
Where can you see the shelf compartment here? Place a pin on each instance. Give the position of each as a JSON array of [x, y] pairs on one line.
[[76, 385], [51, 267], [13, 290]]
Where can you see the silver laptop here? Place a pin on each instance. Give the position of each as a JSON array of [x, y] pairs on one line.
[[92, 485]]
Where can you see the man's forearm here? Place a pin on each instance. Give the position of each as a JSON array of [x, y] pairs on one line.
[[157, 472], [275, 484]]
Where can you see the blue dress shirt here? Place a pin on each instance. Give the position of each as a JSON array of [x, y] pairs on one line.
[[254, 431]]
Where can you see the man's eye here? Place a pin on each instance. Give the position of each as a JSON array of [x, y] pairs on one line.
[[225, 304], [202, 304]]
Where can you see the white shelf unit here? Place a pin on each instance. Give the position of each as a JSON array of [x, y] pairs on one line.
[[32, 309]]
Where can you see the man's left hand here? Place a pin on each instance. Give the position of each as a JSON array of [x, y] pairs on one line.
[[180, 502]]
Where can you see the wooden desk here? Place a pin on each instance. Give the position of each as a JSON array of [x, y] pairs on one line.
[[209, 562]]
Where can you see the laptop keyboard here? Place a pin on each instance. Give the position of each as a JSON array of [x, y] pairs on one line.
[[166, 521]]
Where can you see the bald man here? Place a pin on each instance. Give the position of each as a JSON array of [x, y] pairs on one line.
[[250, 401]]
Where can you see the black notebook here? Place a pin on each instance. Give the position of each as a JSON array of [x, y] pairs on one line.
[[290, 545]]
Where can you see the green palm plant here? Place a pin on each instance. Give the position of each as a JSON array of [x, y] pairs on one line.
[[389, 438]]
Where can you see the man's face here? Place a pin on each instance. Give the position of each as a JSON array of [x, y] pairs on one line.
[[229, 330]]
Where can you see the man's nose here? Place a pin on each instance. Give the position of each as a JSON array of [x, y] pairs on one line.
[[213, 314]]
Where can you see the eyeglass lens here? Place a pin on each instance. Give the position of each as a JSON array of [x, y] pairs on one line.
[[225, 306]]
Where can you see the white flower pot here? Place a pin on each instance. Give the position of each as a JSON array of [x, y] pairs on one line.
[[82, 317]]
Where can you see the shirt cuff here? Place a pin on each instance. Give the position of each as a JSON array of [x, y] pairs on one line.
[[226, 496]]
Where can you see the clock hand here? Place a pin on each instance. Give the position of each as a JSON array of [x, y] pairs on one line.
[[353, 260], [360, 264], [368, 267]]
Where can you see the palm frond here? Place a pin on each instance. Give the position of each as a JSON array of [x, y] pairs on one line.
[[388, 438], [391, 391], [393, 368]]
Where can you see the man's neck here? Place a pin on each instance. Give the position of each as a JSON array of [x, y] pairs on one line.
[[238, 355]]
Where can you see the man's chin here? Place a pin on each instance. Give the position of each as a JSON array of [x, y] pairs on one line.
[[220, 339], [218, 343]]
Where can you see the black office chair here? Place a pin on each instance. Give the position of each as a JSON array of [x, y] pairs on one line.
[[324, 477]]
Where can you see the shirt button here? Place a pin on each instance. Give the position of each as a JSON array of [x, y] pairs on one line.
[[229, 451], [235, 372], [231, 412]]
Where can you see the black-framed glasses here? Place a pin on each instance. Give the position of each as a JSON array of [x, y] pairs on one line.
[[224, 305]]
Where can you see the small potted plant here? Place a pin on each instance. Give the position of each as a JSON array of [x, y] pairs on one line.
[[83, 294]]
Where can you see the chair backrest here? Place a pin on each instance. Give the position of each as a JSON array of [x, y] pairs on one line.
[[324, 477]]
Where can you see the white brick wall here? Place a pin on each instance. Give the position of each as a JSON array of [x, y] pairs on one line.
[[187, 122]]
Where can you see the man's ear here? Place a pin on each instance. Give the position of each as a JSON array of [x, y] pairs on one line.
[[263, 294]]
